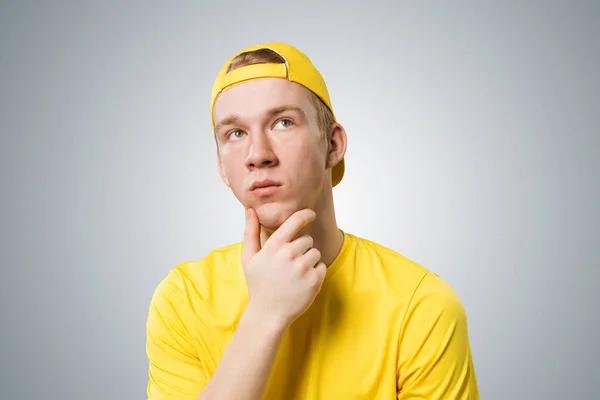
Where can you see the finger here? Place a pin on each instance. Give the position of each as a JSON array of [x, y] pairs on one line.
[[300, 246], [309, 260], [321, 272], [251, 236], [291, 227]]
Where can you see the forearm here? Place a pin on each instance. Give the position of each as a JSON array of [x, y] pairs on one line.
[[246, 364]]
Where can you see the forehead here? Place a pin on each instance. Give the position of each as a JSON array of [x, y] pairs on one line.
[[253, 98]]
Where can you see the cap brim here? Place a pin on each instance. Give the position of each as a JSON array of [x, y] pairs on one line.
[[338, 173]]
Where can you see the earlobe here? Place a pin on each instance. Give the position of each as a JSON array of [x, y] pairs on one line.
[[337, 145], [221, 171]]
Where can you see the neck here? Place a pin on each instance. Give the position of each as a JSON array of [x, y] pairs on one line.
[[327, 237]]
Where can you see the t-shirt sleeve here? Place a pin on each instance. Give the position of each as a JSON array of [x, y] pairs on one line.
[[435, 360], [174, 371]]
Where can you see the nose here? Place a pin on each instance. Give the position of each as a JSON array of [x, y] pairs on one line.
[[260, 153]]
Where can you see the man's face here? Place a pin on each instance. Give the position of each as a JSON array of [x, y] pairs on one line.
[[266, 129]]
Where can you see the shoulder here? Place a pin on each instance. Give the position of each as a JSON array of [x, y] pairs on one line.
[[409, 277], [434, 353], [389, 256], [436, 296], [182, 300], [195, 279], [401, 272]]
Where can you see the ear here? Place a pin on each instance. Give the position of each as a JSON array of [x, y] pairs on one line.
[[337, 145], [221, 171]]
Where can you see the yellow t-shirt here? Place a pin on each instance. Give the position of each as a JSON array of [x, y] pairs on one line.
[[381, 328]]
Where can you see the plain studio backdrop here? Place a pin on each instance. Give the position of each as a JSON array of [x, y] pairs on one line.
[[473, 150]]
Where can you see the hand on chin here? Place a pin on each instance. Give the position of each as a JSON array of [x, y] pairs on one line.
[[272, 215]]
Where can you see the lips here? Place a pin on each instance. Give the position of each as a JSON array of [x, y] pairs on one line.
[[264, 187], [265, 183]]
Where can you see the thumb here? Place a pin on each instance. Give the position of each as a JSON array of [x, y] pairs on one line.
[[251, 236]]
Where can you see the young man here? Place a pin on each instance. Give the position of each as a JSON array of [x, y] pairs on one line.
[[300, 309]]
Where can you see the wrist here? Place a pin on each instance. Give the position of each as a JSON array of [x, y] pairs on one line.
[[259, 319]]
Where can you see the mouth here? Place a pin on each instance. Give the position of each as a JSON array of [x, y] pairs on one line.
[[264, 188]]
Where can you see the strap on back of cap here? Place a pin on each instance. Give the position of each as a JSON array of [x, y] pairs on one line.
[[254, 71]]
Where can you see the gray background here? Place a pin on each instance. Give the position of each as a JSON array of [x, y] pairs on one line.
[[473, 150]]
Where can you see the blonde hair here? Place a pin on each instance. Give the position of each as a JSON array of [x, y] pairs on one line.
[[268, 56]]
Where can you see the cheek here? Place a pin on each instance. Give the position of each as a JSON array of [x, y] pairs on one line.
[[236, 173], [309, 163], [311, 155], [232, 161]]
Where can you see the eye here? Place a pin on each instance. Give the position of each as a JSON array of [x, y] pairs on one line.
[[235, 134], [284, 123]]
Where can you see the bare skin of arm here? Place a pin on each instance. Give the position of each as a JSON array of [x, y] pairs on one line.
[[283, 277]]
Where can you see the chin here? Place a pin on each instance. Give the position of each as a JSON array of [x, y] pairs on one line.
[[273, 215]]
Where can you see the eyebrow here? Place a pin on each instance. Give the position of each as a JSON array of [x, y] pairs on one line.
[[233, 119]]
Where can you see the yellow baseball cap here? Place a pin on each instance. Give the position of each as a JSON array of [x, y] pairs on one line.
[[297, 68]]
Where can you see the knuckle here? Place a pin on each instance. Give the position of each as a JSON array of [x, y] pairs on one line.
[[272, 244], [303, 265], [288, 254]]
